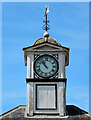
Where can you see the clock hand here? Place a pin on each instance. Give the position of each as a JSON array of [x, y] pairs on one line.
[[43, 62]]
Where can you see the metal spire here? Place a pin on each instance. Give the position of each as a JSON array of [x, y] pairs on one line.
[[46, 26]]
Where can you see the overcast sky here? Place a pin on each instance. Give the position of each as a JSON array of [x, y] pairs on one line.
[[22, 26]]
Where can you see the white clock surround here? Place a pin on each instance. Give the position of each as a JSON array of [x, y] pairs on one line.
[[53, 90]]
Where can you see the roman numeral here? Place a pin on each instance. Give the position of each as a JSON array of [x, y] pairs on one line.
[[38, 70], [45, 74], [46, 58], [52, 70], [54, 65]]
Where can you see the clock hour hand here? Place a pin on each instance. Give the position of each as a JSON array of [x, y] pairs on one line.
[[43, 62]]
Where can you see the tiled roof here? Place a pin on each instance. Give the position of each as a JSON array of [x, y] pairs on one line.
[[73, 113]]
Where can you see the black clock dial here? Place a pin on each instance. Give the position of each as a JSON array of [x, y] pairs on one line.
[[46, 66]]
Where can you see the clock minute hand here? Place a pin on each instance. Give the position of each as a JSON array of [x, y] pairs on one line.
[[43, 62]]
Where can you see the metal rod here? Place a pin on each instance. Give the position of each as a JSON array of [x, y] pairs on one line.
[[46, 25], [46, 19]]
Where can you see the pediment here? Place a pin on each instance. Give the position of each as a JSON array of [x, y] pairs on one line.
[[45, 47]]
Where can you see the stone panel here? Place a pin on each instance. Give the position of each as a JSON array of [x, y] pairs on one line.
[[46, 94]]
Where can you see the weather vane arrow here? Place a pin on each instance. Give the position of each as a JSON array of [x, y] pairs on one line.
[[47, 11]]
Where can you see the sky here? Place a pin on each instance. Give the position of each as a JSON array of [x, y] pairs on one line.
[[22, 26]]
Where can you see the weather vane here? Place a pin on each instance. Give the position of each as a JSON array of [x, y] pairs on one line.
[[46, 26]]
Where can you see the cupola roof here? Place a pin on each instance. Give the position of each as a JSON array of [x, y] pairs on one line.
[[49, 40]]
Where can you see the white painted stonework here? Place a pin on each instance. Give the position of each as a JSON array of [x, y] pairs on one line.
[[46, 94], [46, 97], [49, 98]]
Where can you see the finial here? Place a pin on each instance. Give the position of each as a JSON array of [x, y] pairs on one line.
[[46, 26]]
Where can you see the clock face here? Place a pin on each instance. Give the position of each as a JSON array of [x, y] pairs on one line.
[[46, 66]]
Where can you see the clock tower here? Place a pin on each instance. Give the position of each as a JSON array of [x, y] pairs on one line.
[[46, 81], [46, 60]]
